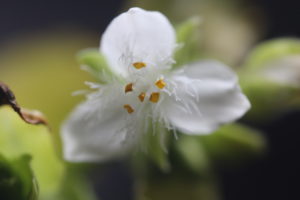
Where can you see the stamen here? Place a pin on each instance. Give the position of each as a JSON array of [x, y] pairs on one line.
[[139, 65], [154, 97], [128, 87], [128, 108], [142, 96], [160, 83]]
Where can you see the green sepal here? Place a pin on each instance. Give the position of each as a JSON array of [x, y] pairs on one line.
[[157, 142], [188, 35], [192, 153], [95, 63], [17, 180]]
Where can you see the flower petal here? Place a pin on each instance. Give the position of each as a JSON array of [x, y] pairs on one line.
[[96, 131], [207, 95], [138, 36]]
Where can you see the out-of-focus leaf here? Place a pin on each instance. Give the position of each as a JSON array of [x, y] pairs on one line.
[[269, 78], [270, 51], [7, 97], [47, 65], [17, 138], [267, 97], [95, 63], [75, 185], [233, 142], [230, 143], [17, 181], [188, 37]]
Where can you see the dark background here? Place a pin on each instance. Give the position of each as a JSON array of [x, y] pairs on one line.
[[274, 177], [282, 17], [277, 175], [18, 16]]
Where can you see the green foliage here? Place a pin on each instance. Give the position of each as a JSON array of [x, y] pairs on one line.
[[268, 96], [234, 142], [193, 158], [74, 185], [272, 50], [231, 143], [17, 138], [95, 63], [188, 36], [17, 181], [44, 77], [56, 182]]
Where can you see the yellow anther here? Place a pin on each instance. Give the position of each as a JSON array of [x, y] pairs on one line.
[[154, 97], [139, 65], [128, 108], [128, 87], [142, 96], [160, 83]]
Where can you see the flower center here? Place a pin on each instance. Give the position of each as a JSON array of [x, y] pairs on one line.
[[144, 89]]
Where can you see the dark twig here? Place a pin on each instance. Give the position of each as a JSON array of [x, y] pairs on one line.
[[7, 97]]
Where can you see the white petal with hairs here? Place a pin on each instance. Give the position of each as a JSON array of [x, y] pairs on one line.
[[195, 99]]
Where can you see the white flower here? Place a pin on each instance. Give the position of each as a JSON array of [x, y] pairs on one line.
[[138, 46]]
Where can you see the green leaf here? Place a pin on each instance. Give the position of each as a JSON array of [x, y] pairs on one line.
[[188, 35], [234, 142], [95, 63], [272, 50], [17, 180]]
